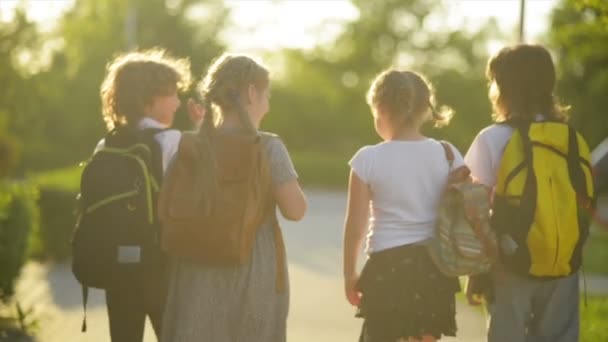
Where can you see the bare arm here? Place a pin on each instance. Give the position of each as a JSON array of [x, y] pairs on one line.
[[355, 225], [291, 200]]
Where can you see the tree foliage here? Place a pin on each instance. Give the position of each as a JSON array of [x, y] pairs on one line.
[[63, 123], [322, 92], [51, 107], [579, 36]]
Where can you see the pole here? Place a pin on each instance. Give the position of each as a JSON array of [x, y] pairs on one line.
[[522, 20], [131, 27]]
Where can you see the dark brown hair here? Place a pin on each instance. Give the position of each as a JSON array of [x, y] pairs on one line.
[[407, 95], [525, 79], [134, 79]]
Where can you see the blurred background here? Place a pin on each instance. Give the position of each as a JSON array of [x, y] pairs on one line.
[[322, 56]]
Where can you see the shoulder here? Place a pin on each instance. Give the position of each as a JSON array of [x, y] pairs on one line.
[[268, 136], [366, 151], [445, 144], [271, 141], [168, 133], [274, 146], [456, 156], [168, 138], [495, 131]]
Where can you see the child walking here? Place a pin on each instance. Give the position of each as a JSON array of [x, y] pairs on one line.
[[394, 191], [236, 301], [139, 98], [537, 167]]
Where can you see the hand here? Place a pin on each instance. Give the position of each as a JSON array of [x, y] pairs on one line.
[[350, 288], [474, 299], [196, 112]]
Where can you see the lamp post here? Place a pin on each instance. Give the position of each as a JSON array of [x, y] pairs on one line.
[[522, 18], [131, 27]]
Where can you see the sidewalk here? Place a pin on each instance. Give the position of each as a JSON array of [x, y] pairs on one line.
[[597, 285], [318, 310]]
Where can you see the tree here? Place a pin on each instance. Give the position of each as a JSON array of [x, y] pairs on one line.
[[17, 39], [322, 93], [579, 37], [66, 123]]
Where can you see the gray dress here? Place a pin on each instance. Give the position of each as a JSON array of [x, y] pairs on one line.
[[233, 304]]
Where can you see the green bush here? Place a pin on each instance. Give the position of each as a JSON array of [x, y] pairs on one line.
[[57, 220], [322, 170], [58, 190], [19, 217], [9, 154]]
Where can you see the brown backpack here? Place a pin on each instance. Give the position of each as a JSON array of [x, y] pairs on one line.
[[225, 234]]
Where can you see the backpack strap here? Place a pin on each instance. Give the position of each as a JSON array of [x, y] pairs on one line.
[[529, 194], [449, 153], [85, 300], [460, 174], [280, 253], [577, 175]]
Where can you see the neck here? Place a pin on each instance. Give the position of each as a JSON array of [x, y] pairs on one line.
[[158, 119], [231, 120], [407, 133]]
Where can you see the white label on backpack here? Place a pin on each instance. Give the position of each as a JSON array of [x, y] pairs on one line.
[[508, 245], [129, 254]]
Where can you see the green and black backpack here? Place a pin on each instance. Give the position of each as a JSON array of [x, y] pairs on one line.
[[117, 232]]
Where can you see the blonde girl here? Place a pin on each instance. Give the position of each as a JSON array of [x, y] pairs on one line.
[[394, 191]]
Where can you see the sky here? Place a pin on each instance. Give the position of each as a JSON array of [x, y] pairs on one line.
[[268, 25]]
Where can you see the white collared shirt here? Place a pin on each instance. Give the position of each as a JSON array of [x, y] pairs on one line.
[[168, 140]]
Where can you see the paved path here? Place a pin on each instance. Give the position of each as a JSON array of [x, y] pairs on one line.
[[318, 310]]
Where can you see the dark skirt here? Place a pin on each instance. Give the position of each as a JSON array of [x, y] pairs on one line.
[[405, 295]]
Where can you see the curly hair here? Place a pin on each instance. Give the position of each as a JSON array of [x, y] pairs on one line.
[[134, 79]]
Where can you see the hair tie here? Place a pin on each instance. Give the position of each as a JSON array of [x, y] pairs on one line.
[[436, 115]]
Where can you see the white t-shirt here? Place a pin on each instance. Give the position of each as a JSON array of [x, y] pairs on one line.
[[168, 140], [485, 153], [406, 180]]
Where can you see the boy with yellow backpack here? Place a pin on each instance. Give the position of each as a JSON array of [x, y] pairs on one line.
[[538, 168]]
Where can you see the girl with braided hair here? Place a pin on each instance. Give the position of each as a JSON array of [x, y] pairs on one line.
[[237, 302]]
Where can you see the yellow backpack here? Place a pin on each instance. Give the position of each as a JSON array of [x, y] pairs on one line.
[[542, 201]]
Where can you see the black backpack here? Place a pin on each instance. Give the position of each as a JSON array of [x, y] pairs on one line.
[[117, 234]]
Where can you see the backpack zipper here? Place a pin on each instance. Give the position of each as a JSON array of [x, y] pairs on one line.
[[110, 199]]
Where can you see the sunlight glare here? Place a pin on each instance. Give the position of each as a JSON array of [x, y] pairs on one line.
[[272, 25]]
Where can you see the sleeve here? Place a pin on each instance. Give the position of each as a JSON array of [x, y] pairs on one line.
[[458, 160], [281, 166], [361, 164], [479, 161]]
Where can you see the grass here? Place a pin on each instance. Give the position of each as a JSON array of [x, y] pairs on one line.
[[594, 320], [67, 179], [595, 256], [322, 170]]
